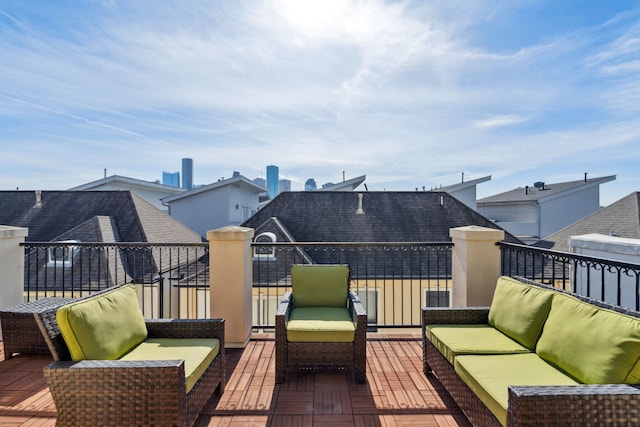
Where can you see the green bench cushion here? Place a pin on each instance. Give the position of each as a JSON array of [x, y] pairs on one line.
[[490, 376], [320, 324], [103, 327], [519, 310], [454, 340], [197, 353], [319, 285], [592, 344]]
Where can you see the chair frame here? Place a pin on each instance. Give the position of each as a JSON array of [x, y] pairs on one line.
[[315, 355], [115, 392]]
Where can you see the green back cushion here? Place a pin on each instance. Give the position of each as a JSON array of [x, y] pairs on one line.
[[519, 310], [197, 353], [594, 345], [315, 285], [103, 327], [320, 324]]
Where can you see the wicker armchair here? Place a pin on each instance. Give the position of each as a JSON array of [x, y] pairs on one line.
[[118, 393], [321, 354]]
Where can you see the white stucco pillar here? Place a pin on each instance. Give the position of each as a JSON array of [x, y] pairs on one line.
[[12, 265], [475, 265], [231, 281]]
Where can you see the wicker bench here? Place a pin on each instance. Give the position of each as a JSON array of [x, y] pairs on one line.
[[131, 392], [20, 333], [580, 404]]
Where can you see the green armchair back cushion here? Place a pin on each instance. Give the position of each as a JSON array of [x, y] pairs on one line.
[[519, 310], [592, 344], [319, 285], [103, 327]]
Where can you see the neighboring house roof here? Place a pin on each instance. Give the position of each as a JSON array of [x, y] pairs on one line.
[[548, 191], [463, 185], [621, 218], [120, 215], [348, 185], [236, 180], [420, 216], [128, 183]]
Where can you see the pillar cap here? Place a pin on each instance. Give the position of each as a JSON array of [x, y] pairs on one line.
[[475, 232], [7, 232], [231, 232]]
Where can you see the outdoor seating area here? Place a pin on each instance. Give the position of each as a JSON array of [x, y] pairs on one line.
[[396, 392], [537, 355]]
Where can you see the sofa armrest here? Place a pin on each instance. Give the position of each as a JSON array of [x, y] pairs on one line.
[[186, 328], [454, 315], [599, 404]]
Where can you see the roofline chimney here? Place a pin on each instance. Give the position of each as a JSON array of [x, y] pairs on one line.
[[360, 211], [38, 199]]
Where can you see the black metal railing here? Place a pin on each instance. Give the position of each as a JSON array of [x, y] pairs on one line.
[[602, 279], [172, 279], [393, 280]]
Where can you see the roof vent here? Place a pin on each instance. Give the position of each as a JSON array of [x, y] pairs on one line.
[[360, 211], [539, 185], [38, 199]]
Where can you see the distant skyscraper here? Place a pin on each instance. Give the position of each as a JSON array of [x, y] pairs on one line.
[[187, 173], [285, 185], [272, 181], [260, 181], [310, 185], [171, 178]]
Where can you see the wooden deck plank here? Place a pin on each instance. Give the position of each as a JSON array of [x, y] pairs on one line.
[[396, 393]]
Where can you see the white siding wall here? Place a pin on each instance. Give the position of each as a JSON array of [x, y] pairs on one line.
[[557, 213]]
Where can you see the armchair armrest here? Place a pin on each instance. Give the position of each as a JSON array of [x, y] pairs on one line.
[[599, 404]]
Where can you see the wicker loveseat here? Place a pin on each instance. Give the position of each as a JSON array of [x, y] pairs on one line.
[[114, 368], [320, 323], [537, 356]]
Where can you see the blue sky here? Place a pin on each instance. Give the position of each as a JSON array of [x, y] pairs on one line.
[[409, 93]]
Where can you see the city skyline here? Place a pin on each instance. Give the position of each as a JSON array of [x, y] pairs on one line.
[[412, 93]]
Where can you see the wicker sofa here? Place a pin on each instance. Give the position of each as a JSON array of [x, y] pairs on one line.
[[321, 324], [537, 356], [178, 365]]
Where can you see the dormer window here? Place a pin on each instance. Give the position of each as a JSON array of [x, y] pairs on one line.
[[62, 255], [265, 253]]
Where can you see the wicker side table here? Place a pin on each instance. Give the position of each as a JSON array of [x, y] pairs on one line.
[[20, 332]]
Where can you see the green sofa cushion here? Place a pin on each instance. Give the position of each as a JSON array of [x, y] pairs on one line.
[[103, 327], [592, 344], [197, 353], [490, 376], [318, 285], [454, 340], [519, 310], [320, 324]]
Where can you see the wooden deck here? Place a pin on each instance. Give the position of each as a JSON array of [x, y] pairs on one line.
[[397, 393]]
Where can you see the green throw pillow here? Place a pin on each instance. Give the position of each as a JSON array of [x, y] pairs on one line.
[[592, 344], [519, 310], [103, 327], [320, 285]]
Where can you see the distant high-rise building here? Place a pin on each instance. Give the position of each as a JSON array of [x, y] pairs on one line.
[[260, 181], [187, 173], [285, 185], [171, 178], [272, 181], [310, 185]]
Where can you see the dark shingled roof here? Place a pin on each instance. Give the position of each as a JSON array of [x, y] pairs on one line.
[[621, 218], [131, 218], [389, 216]]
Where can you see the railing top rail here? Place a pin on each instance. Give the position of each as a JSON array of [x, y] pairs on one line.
[[399, 244], [560, 254], [111, 244]]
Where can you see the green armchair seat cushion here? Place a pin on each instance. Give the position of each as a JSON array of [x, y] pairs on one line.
[[319, 285], [489, 377], [455, 340], [592, 344], [320, 324], [197, 353], [103, 327], [519, 310]]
